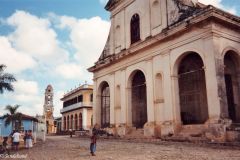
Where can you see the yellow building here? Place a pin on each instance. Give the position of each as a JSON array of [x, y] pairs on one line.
[[77, 108]]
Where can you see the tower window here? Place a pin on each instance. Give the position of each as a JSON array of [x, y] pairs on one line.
[[135, 28]]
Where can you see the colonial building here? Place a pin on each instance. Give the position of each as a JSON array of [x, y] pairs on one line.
[[77, 108], [48, 109], [168, 65]]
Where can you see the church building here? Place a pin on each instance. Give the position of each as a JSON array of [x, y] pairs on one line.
[[168, 66]]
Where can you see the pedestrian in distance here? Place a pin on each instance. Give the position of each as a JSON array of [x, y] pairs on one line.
[[29, 139], [93, 144], [70, 132]]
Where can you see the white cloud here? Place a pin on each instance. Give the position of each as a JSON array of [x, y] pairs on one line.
[[26, 87], [88, 37], [70, 71], [58, 103], [218, 3], [34, 36], [14, 60], [26, 91]]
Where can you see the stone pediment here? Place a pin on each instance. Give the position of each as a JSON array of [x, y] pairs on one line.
[[179, 10]]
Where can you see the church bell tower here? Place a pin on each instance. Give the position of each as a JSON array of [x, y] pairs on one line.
[[48, 109]]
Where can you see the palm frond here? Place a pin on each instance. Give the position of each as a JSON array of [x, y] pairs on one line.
[[12, 109], [2, 66], [8, 120], [5, 80]]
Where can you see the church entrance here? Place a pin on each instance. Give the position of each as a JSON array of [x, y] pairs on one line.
[[105, 106], [232, 86], [192, 90], [139, 100]]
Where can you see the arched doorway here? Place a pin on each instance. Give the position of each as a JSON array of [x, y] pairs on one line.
[[76, 122], [71, 123], [105, 105], [68, 121], [80, 121], [192, 90], [64, 123], [232, 82], [139, 100]]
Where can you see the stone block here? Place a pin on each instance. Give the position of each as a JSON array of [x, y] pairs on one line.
[[150, 129], [123, 130], [169, 128], [232, 136], [216, 132]]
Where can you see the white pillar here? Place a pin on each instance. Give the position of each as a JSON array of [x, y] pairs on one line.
[[214, 110], [123, 96], [84, 118], [112, 98], [95, 102], [149, 87]]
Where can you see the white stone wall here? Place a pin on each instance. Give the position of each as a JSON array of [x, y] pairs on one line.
[[152, 20]]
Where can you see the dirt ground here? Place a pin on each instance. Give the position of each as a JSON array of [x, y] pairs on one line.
[[65, 148]]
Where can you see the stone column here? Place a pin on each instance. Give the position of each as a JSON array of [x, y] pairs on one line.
[[84, 118], [149, 127], [112, 99], [216, 92], [149, 89], [95, 106], [215, 83], [124, 95]]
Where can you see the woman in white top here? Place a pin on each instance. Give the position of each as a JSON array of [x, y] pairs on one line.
[[16, 139]]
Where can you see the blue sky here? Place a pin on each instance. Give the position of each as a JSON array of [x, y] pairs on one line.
[[53, 42]]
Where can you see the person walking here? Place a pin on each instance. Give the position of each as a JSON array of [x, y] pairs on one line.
[[70, 132], [16, 139], [93, 144]]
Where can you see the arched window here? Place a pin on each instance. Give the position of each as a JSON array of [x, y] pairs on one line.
[[135, 28], [105, 107], [158, 88]]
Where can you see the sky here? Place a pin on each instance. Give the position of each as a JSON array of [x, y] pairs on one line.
[[54, 42]]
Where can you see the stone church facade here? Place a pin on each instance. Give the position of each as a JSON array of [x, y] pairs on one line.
[[167, 65]]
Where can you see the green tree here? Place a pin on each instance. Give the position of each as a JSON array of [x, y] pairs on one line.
[[13, 117], [5, 80]]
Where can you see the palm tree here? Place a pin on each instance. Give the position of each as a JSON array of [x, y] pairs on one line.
[[5, 80], [13, 116]]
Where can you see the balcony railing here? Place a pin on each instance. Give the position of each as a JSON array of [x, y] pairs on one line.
[[76, 106]]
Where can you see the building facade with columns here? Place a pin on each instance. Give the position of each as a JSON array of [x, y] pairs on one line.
[[168, 64], [77, 108]]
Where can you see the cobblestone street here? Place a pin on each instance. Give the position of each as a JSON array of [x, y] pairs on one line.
[[64, 148]]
